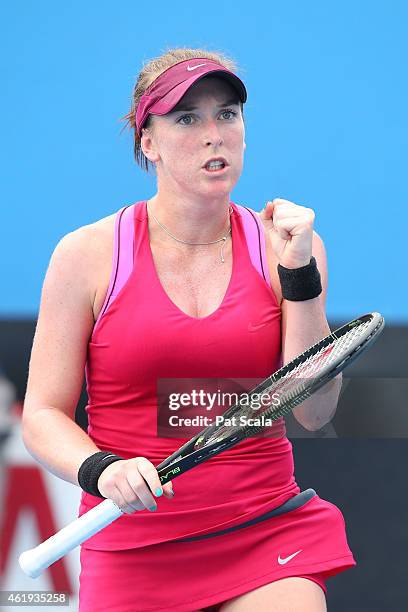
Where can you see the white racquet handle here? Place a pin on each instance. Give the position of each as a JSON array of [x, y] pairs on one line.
[[33, 562]]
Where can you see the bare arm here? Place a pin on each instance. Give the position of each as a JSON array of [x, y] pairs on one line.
[[56, 374], [57, 361], [303, 324]]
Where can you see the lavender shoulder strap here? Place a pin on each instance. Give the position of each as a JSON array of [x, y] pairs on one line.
[[122, 261], [255, 237]]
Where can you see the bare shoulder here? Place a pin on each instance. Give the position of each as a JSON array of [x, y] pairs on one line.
[[106, 224], [65, 319], [96, 240], [99, 233], [92, 243], [89, 236]]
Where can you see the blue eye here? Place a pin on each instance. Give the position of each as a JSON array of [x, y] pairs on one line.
[[231, 112], [225, 111], [183, 117]]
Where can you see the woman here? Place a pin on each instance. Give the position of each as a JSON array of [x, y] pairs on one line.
[[184, 299]]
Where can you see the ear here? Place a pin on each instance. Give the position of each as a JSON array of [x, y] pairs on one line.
[[148, 145]]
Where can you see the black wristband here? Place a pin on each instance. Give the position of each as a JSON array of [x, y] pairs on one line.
[[92, 468], [300, 284]]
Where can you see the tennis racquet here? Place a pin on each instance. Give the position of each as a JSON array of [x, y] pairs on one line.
[[292, 384]]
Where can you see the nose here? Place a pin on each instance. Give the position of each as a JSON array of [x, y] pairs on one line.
[[212, 134]]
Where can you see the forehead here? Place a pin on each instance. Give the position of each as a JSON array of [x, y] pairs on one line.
[[209, 87]]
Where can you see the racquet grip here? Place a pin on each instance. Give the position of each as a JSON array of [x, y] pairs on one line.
[[34, 561]]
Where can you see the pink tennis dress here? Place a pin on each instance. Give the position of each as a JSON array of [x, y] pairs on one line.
[[211, 542]]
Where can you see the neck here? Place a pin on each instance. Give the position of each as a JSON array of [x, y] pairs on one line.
[[192, 221]]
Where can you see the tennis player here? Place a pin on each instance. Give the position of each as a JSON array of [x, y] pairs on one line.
[[175, 288]]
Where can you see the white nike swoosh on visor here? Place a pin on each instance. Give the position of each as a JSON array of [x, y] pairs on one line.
[[194, 67], [286, 559]]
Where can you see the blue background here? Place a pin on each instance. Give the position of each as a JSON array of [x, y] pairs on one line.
[[325, 127]]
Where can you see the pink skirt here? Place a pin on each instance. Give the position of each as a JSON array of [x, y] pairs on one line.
[[308, 542]]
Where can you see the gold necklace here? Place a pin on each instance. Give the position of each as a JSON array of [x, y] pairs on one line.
[[223, 239]]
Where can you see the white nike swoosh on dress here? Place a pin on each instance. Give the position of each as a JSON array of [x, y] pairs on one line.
[[286, 559], [194, 67]]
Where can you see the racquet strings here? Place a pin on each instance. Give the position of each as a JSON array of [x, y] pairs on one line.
[[288, 390]]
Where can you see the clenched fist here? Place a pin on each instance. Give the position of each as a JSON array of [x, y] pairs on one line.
[[290, 229]]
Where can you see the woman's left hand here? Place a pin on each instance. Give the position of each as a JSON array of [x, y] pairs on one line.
[[290, 228]]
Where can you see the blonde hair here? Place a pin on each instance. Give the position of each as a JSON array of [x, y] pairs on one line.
[[151, 70]]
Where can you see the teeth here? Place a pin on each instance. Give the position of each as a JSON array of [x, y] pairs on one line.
[[216, 164]]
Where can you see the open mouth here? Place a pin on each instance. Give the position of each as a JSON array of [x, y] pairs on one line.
[[213, 168]]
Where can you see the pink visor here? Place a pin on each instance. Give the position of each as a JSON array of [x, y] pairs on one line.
[[168, 89]]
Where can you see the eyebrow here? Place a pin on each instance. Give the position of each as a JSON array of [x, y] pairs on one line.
[[188, 107]]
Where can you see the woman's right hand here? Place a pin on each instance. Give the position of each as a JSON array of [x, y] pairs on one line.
[[132, 484]]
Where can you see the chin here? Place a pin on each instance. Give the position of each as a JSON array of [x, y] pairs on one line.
[[219, 192]]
